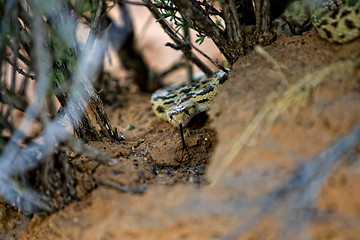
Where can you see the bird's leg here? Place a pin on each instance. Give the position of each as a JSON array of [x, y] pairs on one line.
[[183, 141]]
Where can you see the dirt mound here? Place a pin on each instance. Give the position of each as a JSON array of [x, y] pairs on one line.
[[235, 204]]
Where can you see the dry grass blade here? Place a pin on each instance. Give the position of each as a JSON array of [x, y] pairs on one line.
[[278, 102]]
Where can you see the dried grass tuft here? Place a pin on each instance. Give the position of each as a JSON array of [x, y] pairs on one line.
[[289, 98]]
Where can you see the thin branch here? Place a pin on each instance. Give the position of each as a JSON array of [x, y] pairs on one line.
[[208, 58], [187, 52], [79, 147], [185, 44], [120, 187], [210, 9], [24, 59], [145, 5], [9, 97], [19, 70], [192, 10], [185, 47]]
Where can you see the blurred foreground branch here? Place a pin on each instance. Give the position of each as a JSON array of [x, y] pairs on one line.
[[301, 191], [39, 36]]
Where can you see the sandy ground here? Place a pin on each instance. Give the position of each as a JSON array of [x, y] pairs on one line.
[[207, 195]]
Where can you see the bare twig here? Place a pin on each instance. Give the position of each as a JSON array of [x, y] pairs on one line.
[[144, 4], [210, 9], [102, 119], [24, 59], [184, 44], [120, 187], [191, 10], [172, 34], [186, 48], [208, 58], [9, 97], [19, 70], [79, 147], [16, 158]]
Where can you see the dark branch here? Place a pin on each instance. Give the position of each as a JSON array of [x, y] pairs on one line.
[[177, 47], [230, 48], [79, 147], [120, 187], [178, 41], [9, 97], [19, 70], [233, 29]]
